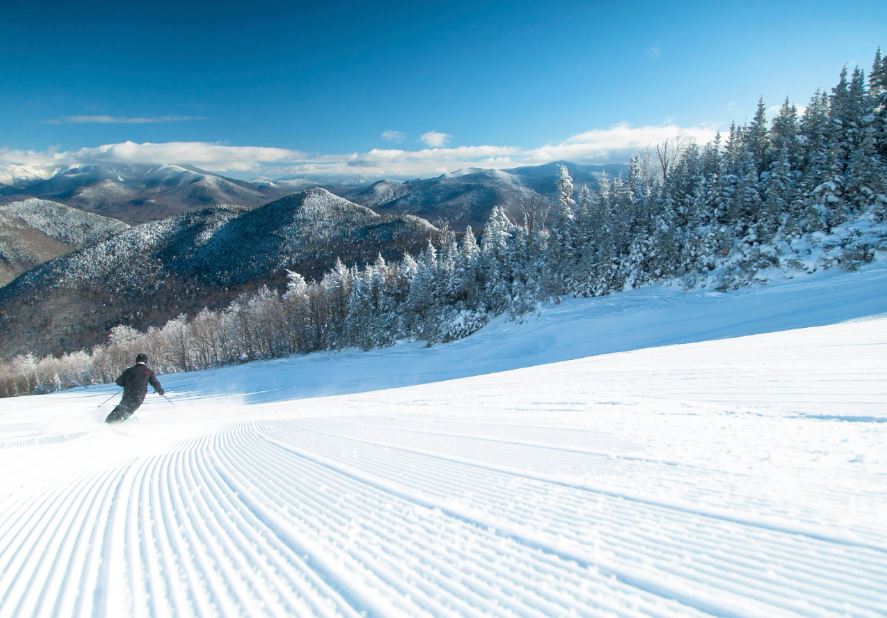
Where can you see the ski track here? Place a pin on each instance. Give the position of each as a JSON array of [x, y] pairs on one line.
[[650, 483], [565, 511], [297, 517], [620, 471], [37, 440]]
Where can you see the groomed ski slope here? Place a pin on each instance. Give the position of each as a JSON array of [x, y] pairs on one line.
[[720, 454]]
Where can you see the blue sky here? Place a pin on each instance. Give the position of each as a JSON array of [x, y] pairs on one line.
[[407, 88]]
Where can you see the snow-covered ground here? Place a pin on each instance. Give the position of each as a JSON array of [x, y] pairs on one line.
[[650, 453]]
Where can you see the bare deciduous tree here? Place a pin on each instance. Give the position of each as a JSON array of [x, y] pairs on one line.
[[534, 211], [668, 153]]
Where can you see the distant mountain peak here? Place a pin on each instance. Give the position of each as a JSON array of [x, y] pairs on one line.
[[139, 193], [12, 175], [317, 202]]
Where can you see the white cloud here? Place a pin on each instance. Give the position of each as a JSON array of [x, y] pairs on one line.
[[12, 156], [212, 157], [619, 142], [615, 144], [393, 136], [612, 145], [436, 139], [106, 119], [654, 53]]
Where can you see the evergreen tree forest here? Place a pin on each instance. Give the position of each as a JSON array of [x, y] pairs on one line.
[[803, 190]]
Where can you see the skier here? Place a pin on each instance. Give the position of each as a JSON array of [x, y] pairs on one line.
[[135, 386]]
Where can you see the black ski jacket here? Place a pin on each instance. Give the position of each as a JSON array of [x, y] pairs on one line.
[[135, 382]]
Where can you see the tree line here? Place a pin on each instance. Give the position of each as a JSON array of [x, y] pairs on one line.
[[714, 215]]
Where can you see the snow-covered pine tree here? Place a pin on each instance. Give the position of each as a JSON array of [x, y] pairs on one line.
[[758, 139], [565, 188], [784, 134], [779, 192], [468, 287], [495, 261], [423, 298], [878, 95]]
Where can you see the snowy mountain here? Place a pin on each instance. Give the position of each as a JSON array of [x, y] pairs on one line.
[[23, 175], [467, 196], [139, 193], [543, 178], [377, 193], [461, 198], [708, 476], [152, 272], [34, 231]]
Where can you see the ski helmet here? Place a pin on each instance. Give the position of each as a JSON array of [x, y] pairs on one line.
[[142, 358]]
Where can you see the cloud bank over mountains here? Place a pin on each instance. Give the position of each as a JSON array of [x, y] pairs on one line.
[[613, 145]]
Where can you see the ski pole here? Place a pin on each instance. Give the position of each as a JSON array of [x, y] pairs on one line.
[[169, 400], [109, 398]]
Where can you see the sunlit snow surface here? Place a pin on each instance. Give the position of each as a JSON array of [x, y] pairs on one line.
[[727, 476]]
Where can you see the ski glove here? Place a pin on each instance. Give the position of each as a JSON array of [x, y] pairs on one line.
[[161, 392]]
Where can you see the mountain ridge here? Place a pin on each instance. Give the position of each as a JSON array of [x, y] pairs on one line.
[[150, 273], [33, 231], [141, 193]]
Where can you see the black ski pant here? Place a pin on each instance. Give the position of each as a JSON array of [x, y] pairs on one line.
[[124, 409]]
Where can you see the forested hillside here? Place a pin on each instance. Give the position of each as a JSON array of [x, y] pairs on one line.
[[153, 272], [34, 231]]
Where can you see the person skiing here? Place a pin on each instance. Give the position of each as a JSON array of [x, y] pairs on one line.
[[135, 386]]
